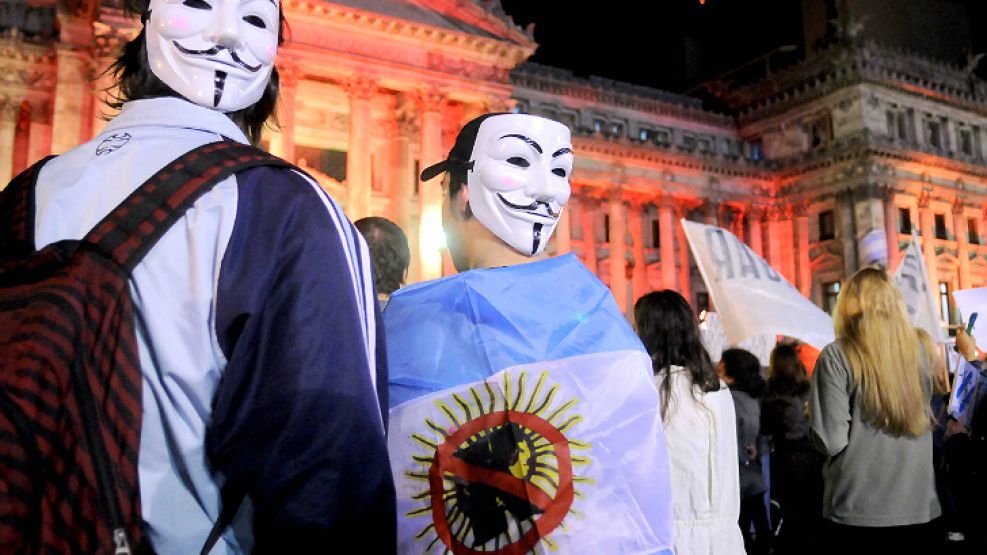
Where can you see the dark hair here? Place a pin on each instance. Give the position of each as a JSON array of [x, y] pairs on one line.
[[670, 332], [745, 370], [134, 79], [787, 375], [388, 251]]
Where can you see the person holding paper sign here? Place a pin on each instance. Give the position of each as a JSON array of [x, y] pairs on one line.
[[966, 457], [869, 411]]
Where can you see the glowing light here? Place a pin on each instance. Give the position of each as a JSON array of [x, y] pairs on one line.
[[431, 242]]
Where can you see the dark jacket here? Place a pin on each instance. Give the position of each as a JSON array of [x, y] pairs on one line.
[[748, 411]]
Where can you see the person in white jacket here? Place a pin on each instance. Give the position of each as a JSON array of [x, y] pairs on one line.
[[700, 427]]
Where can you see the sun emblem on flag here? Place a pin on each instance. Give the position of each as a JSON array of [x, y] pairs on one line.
[[499, 468]]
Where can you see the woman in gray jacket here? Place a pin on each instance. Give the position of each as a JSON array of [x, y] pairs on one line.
[[870, 414]]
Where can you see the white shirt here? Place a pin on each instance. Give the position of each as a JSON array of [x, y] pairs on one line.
[[701, 433]]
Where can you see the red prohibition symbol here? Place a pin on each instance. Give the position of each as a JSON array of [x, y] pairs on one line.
[[553, 509]]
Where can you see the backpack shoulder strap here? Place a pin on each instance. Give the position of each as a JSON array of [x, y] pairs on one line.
[[128, 232], [17, 213]]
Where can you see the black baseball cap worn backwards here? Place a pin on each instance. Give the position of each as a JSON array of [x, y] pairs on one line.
[[459, 156]]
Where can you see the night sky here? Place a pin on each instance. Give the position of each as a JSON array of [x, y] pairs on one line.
[[674, 44]]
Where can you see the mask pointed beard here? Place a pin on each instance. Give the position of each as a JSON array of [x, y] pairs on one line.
[[220, 83], [535, 238]]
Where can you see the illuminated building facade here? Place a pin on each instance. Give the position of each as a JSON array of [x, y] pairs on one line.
[[821, 167]]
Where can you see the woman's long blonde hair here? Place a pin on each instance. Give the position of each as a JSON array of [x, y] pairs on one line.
[[885, 355]]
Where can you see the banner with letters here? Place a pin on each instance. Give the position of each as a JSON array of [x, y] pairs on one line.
[[913, 281], [969, 301], [751, 297]]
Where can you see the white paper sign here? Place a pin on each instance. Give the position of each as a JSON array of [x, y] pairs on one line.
[[970, 301]]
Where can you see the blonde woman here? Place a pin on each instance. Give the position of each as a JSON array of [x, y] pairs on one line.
[[870, 414]]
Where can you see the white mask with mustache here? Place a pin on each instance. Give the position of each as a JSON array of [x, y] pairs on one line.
[[215, 53], [519, 179]]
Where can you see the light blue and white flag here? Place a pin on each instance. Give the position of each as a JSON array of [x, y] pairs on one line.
[[524, 417], [963, 397], [912, 279]]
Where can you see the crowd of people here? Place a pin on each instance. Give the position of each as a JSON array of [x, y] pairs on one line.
[[296, 396]]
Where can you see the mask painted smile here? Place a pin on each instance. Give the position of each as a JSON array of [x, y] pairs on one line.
[[531, 208], [237, 62]]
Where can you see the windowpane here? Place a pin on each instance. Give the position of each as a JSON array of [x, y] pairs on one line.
[[827, 225]]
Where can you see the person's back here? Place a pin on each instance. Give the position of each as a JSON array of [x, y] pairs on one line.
[[522, 413], [255, 323], [700, 427], [796, 466], [872, 420]]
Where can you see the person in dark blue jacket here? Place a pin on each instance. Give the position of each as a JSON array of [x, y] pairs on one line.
[[262, 353]]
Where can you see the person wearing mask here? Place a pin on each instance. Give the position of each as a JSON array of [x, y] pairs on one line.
[[522, 418], [697, 411], [869, 410]]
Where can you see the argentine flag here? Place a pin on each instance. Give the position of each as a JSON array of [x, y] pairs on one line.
[[524, 417]]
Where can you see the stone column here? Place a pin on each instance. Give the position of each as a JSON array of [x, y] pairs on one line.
[[22, 136], [563, 235], [803, 264], [754, 218], [390, 189], [667, 240], [712, 212], [618, 248], [685, 272], [289, 75], [72, 120], [890, 228], [405, 180], [927, 225], [431, 103], [101, 89], [640, 282], [775, 256], [588, 221], [8, 129], [39, 145], [359, 151], [962, 246]]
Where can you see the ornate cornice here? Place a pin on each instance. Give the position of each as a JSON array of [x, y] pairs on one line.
[[540, 78], [714, 163], [847, 64], [514, 48]]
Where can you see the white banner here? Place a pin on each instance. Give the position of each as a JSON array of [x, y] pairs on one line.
[[913, 281], [750, 296], [970, 301], [563, 456]]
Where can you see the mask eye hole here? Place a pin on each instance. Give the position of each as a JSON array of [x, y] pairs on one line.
[[197, 4], [518, 161], [255, 21], [559, 172]]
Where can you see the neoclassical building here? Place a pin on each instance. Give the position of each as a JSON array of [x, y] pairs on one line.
[[822, 167]]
